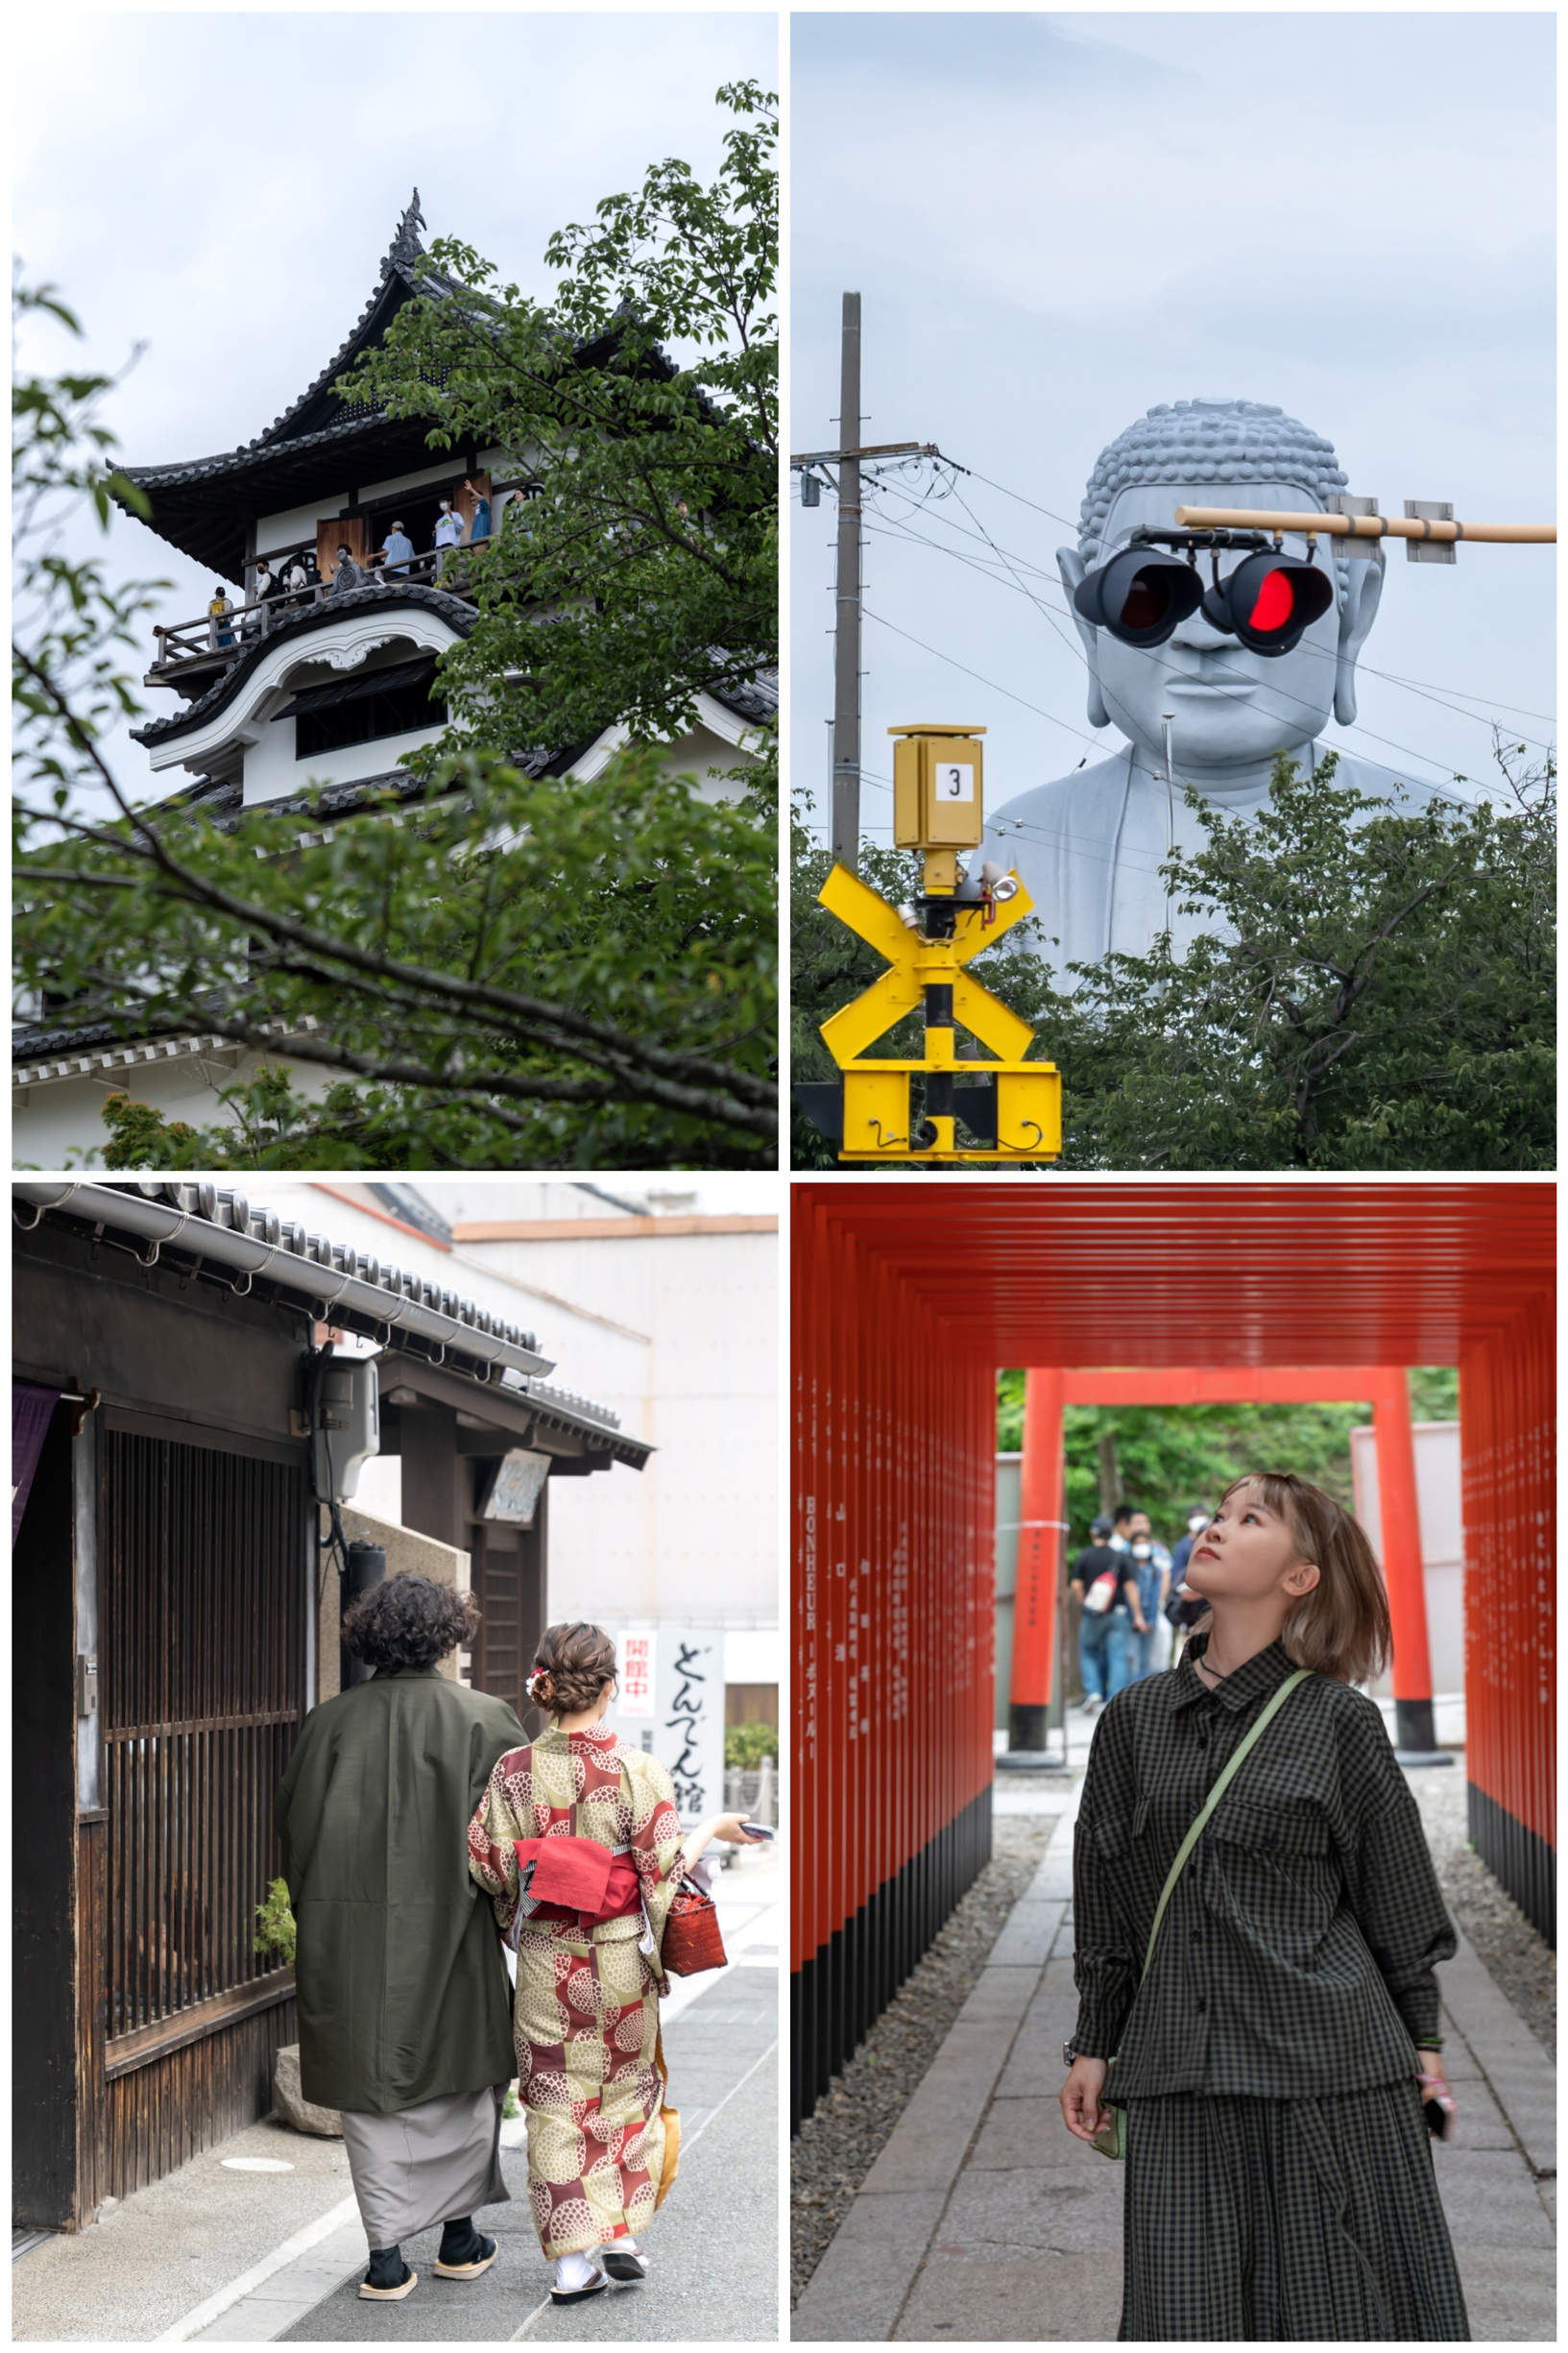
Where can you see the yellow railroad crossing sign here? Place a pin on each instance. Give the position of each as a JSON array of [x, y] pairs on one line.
[[1020, 1108]]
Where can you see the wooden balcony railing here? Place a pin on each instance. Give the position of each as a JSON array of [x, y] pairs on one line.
[[225, 636]]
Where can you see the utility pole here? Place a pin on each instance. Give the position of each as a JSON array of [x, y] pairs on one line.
[[846, 836]]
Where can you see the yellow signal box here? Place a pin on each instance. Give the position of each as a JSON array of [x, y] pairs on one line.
[[938, 801]]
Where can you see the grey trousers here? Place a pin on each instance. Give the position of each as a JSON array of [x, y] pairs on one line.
[[427, 2164]]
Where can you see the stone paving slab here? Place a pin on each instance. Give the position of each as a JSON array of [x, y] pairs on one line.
[[1512, 2294], [1521, 2075], [1049, 2299], [154, 2257], [858, 2290]]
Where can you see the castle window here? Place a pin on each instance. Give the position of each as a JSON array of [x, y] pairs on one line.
[[390, 702]]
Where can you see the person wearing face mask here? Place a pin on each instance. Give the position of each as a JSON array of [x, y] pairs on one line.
[[1183, 1608], [1257, 1925], [1150, 1580]]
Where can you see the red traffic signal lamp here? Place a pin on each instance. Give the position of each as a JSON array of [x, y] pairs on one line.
[[1270, 601], [1140, 595]]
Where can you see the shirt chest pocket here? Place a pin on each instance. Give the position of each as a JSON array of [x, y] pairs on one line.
[[1272, 1826]]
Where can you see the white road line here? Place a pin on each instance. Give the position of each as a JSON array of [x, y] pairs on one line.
[[291, 2249], [686, 2144]]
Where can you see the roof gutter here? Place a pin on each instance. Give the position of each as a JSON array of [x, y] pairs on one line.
[[222, 1227]]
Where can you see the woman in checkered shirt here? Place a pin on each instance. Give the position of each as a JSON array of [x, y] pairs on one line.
[[1274, 2061]]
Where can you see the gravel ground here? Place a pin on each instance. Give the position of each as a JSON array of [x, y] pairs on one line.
[[1520, 1961], [840, 2142]]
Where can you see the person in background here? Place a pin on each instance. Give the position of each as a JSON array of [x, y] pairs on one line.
[[1148, 1581], [401, 1983], [1182, 1606], [299, 576], [449, 533], [262, 586], [1105, 1628], [220, 617], [479, 523], [397, 551]]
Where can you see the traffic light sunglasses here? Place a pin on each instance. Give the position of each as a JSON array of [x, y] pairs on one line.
[[1268, 602]]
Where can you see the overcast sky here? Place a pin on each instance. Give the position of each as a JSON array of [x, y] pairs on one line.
[[228, 185], [1057, 221]]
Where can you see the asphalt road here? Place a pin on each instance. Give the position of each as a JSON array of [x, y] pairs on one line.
[[712, 2248]]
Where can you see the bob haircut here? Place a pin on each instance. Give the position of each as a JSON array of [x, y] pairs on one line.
[[408, 1622], [1340, 1628]]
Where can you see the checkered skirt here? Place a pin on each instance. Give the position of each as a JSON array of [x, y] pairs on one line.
[[1284, 2220]]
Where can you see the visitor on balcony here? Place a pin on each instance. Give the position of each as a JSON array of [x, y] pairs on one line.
[[479, 525], [449, 534], [263, 587], [397, 551], [300, 578], [220, 616]]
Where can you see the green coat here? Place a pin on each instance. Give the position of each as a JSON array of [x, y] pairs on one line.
[[402, 1988]]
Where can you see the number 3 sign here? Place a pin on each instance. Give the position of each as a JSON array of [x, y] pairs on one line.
[[954, 780]]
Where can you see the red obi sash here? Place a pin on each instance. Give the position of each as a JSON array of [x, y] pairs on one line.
[[577, 1880]]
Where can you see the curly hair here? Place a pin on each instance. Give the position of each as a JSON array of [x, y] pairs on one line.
[[409, 1621], [571, 1666]]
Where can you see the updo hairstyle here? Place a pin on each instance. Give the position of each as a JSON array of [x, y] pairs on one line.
[[408, 1622], [571, 1666]]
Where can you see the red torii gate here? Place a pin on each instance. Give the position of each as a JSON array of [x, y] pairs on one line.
[[1050, 1388]]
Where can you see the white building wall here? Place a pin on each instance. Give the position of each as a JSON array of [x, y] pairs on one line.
[[677, 1333], [1439, 1487], [59, 1124], [271, 772]]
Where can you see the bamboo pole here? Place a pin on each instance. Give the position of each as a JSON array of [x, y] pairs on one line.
[[1360, 526]]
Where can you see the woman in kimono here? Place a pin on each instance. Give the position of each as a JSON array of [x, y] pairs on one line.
[[590, 2068], [1278, 2063]]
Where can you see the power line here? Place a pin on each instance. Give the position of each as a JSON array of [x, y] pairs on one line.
[[1171, 669], [1413, 685]]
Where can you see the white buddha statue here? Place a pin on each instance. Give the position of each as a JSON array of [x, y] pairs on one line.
[[1090, 846]]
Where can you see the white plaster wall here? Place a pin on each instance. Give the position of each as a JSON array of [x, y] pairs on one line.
[[1438, 1489], [299, 522], [272, 773], [59, 1126], [677, 1334]]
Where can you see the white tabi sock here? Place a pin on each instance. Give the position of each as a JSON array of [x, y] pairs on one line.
[[573, 2272]]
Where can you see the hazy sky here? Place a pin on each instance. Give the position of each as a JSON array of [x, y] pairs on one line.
[[230, 182], [1057, 221]]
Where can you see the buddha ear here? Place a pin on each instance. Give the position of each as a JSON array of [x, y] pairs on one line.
[[1362, 600], [1072, 569]]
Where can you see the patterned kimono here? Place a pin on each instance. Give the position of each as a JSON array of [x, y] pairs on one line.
[[589, 2069]]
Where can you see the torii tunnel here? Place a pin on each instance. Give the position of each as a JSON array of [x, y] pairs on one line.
[[906, 1296]]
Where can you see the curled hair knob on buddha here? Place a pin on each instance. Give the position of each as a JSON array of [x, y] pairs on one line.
[[572, 1667]]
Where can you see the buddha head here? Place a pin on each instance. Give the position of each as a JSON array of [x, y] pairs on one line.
[[1231, 708]]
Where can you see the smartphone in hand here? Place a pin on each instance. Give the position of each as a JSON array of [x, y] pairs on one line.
[[1439, 2112], [757, 1829]]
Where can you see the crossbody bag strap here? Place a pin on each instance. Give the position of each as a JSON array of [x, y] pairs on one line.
[[1232, 1767]]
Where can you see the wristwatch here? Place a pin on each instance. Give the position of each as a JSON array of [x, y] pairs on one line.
[[1069, 2056]]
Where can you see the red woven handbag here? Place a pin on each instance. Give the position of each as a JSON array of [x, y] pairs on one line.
[[692, 1939]]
